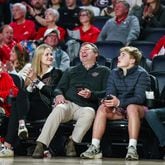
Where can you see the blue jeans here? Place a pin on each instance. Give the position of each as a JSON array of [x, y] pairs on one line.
[[154, 117]]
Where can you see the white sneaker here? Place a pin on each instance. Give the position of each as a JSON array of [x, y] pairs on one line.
[[132, 154], [6, 152], [22, 132], [92, 153]]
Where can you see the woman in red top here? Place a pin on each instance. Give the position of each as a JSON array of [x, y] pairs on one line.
[[88, 32], [7, 87], [51, 17]]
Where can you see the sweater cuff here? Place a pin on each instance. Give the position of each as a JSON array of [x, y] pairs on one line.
[[29, 88], [40, 85]]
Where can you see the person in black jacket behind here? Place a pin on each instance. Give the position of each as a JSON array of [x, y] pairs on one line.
[[42, 79], [125, 100], [76, 98]]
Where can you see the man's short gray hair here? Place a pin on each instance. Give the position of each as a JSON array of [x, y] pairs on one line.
[[21, 6], [125, 3]]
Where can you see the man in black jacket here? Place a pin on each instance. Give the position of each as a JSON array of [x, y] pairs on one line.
[[76, 98]]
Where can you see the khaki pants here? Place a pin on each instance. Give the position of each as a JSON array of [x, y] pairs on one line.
[[62, 113]]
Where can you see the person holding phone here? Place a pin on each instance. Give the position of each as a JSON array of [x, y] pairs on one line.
[[125, 100]]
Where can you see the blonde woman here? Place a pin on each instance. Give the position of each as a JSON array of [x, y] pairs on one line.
[[43, 79]]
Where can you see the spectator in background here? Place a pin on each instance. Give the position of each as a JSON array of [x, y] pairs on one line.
[[88, 32], [35, 12], [87, 4], [150, 14], [109, 10], [43, 79], [122, 27], [19, 60], [76, 98], [6, 87], [55, 4], [155, 117], [23, 29], [51, 17], [159, 48], [69, 15], [7, 42], [61, 58], [125, 100]]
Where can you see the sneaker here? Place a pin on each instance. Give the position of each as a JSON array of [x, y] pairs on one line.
[[22, 132], [92, 153], [38, 151], [70, 148], [6, 152], [132, 154]]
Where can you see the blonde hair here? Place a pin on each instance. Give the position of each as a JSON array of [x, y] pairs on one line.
[[36, 62], [133, 52]]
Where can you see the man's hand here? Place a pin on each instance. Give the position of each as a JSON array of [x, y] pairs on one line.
[[85, 93], [59, 99]]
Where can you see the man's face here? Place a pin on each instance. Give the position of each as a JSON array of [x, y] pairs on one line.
[[87, 54], [120, 10], [52, 40], [7, 34], [125, 60], [37, 4], [70, 3]]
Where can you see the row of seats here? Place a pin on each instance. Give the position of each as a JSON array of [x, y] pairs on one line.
[[110, 49]]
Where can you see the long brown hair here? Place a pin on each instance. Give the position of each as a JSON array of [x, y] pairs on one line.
[[22, 56]]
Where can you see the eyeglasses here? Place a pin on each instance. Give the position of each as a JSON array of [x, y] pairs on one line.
[[83, 15]]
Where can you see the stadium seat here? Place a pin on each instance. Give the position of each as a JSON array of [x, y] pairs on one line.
[[160, 76], [109, 49], [162, 2], [99, 21], [158, 64], [153, 34], [144, 46]]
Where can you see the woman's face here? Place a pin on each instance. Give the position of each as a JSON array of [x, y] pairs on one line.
[[151, 1], [13, 55], [84, 17], [47, 57], [50, 17], [56, 2]]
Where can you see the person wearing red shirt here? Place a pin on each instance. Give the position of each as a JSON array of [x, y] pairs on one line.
[[7, 42], [51, 17], [6, 87], [88, 32], [159, 48], [23, 29]]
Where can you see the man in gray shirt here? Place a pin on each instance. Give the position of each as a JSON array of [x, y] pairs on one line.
[[122, 27]]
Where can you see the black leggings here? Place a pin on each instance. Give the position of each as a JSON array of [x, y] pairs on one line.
[[25, 108]]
